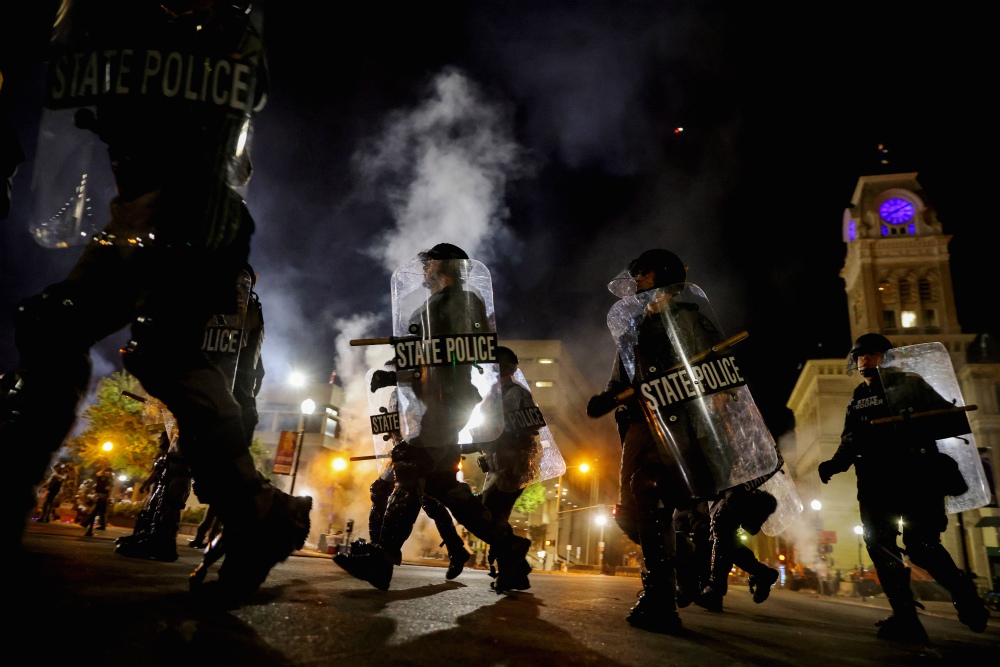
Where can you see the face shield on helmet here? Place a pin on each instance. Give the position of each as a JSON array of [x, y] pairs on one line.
[[866, 344]]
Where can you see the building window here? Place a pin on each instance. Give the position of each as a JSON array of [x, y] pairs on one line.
[[930, 318], [926, 288], [886, 292], [905, 291], [889, 319], [909, 319]]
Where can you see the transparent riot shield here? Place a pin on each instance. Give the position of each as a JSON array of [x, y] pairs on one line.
[[444, 339], [692, 390], [906, 372], [525, 452], [782, 487], [383, 412], [72, 182], [223, 340], [547, 462]]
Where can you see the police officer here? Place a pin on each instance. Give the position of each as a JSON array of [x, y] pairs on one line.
[[382, 488], [171, 481], [649, 490], [178, 235], [898, 477], [428, 463], [512, 460]]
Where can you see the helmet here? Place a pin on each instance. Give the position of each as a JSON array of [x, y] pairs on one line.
[[669, 268], [443, 251], [505, 355], [864, 344]]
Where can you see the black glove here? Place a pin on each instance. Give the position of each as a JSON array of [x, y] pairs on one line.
[[826, 471], [382, 379], [602, 404]]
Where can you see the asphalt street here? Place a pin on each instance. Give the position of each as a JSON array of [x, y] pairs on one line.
[[75, 599]]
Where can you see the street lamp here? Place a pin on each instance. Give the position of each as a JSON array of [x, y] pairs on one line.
[[584, 468], [307, 408], [601, 520], [859, 531]]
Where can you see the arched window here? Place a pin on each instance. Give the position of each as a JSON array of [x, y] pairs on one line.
[[928, 290], [905, 291], [886, 292]]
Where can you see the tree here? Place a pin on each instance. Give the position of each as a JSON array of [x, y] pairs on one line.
[[532, 497], [117, 419]]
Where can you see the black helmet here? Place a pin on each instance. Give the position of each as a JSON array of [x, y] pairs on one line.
[[866, 344], [870, 342], [443, 251], [669, 268], [505, 355]]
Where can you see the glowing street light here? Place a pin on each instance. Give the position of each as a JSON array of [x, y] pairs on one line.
[[108, 446], [307, 408], [339, 463]]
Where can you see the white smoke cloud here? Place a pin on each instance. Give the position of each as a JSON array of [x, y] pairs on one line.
[[442, 169]]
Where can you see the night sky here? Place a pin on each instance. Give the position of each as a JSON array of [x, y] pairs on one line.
[[540, 136]]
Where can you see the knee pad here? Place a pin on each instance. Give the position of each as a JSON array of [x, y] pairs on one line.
[[645, 489], [380, 489], [883, 549]]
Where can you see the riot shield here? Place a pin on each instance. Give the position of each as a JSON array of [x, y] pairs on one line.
[[789, 507], [167, 99], [906, 372], [444, 339], [525, 452], [223, 341], [71, 182], [547, 461], [383, 413], [688, 381]]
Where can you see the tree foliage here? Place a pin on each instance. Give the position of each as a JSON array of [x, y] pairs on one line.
[[117, 419], [530, 498]]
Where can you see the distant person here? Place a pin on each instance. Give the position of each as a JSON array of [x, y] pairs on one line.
[[901, 478], [103, 481], [53, 486]]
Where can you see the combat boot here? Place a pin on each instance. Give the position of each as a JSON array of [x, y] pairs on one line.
[[971, 609], [513, 567], [374, 566], [760, 583], [902, 628], [903, 625], [152, 546], [710, 599], [253, 547], [456, 562], [655, 611]]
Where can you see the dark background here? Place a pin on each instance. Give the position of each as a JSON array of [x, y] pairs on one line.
[[568, 121]]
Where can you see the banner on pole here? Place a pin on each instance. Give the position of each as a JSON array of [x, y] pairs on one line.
[[284, 457]]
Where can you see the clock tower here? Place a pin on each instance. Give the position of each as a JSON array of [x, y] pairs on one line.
[[897, 273], [897, 276]]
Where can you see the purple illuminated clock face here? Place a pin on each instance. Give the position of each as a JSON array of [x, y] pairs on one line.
[[896, 211]]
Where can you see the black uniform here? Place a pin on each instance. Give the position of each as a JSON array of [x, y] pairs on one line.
[[651, 484], [429, 462], [900, 474], [176, 159]]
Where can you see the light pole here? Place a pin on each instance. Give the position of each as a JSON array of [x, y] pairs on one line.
[[307, 408], [601, 521], [859, 531], [584, 468]]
